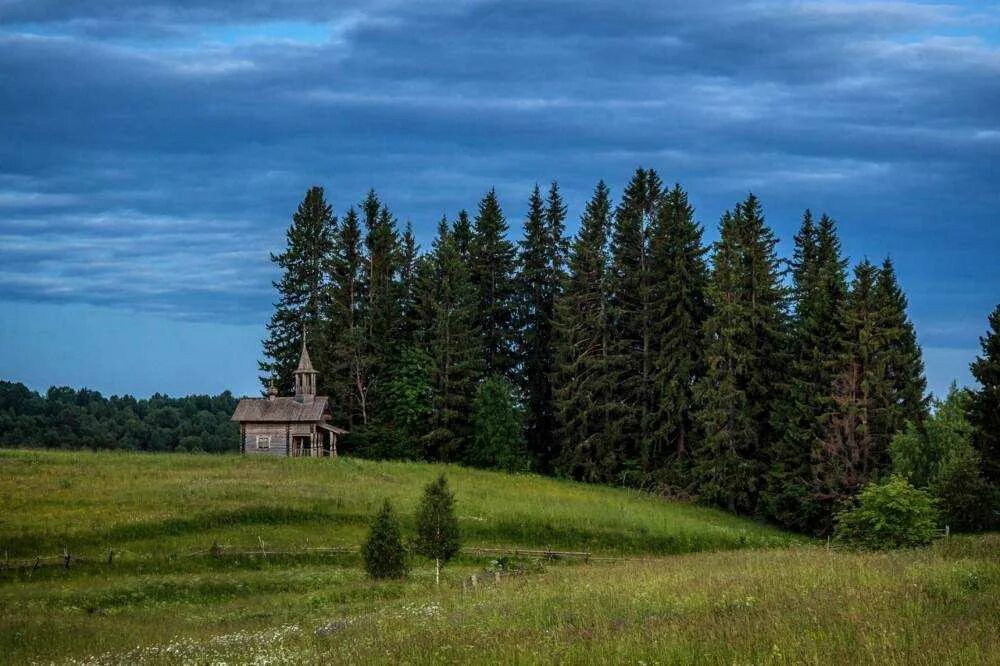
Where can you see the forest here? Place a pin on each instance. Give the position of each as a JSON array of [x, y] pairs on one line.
[[632, 353]]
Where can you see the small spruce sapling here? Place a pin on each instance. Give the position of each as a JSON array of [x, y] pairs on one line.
[[384, 553], [437, 527]]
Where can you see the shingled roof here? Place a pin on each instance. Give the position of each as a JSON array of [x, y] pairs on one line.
[[279, 410]]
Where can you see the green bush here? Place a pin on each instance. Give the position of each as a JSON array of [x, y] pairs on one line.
[[891, 514], [384, 553]]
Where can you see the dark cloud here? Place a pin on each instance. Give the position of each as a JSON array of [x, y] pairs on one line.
[[153, 151]]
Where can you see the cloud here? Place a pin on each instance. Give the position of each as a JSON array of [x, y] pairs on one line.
[[155, 150]]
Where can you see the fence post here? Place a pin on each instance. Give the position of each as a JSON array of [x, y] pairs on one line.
[[111, 555], [65, 557], [947, 531]]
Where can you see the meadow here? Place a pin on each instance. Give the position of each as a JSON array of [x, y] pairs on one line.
[[681, 583]]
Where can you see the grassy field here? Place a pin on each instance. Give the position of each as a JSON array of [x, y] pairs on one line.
[[755, 596]]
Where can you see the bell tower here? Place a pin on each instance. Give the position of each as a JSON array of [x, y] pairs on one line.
[[305, 377]]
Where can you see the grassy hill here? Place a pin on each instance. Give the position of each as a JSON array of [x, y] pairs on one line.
[[759, 596], [145, 504]]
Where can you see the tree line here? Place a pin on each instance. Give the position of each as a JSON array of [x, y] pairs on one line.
[[72, 419], [631, 353]]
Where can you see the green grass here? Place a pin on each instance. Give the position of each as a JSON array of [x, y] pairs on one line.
[[759, 596], [147, 505]]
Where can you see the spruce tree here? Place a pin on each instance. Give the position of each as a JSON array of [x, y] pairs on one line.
[[899, 396], [583, 389], [410, 258], [383, 553], [984, 403], [348, 375], [381, 312], [746, 342], [678, 311], [492, 263], [630, 357], [819, 290], [301, 290], [845, 458], [539, 279], [438, 536], [446, 309]]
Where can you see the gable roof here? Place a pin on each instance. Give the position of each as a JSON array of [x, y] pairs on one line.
[[279, 410]]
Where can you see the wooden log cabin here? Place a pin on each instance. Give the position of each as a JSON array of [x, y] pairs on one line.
[[289, 426]]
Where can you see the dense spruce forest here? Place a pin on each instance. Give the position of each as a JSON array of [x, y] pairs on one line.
[[632, 353]]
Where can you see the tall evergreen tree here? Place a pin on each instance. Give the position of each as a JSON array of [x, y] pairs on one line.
[[301, 290], [819, 290], [348, 374], [745, 353], [900, 394], [492, 263], [382, 315], [446, 303], [630, 357], [984, 403], [583, 389], [539, 280], [846, 456], [410, 258], [678, 312]]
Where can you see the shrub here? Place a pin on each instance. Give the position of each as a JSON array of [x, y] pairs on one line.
[[497, 428], [891, 514], [383, 552]]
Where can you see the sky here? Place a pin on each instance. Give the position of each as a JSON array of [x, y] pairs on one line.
[[151, 154]]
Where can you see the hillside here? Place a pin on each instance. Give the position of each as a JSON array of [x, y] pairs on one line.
[[156, 505], [760, 596]]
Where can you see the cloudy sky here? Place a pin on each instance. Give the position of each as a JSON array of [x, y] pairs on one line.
[[151, 152]]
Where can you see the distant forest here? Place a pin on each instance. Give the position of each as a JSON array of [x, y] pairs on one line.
[[69, 419], [632, 353]]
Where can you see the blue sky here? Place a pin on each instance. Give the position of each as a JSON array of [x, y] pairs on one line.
[[152, 152]]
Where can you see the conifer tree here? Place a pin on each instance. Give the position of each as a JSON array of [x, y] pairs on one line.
[[539, 280], [446, 303], [583, 388], [899, 395], [301, 290], [347, 378], [745, 354], [678, 311], [410, 258], [984, 403], [846, 458], [819, 290], [438, 536], [630, 357], [491, 264], [383, 553], [381, 311]]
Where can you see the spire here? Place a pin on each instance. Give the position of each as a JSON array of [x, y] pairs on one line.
[[305, 364], [305, 376], [272, 392]]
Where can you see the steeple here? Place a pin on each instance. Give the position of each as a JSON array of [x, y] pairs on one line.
[[305, 376]]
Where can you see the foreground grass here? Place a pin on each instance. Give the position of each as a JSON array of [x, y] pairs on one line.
[[795, 605], [155, 506], [733, 592]]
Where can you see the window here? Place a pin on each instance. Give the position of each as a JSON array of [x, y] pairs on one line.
[[263, 442]]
